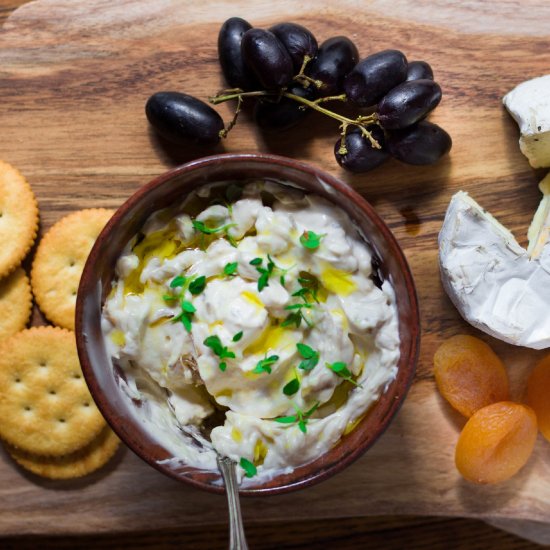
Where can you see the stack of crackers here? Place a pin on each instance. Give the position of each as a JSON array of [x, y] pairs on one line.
[[49, 422]]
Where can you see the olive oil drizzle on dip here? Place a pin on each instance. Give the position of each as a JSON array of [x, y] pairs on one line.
[[254, 321]]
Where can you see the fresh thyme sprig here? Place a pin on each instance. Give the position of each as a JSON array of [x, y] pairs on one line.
[[340, 369], [297, 315], [264, 365], [186, 315], [223, 352], [195, 285], [311, 357], [309, 285], [203, 228], [301, 417], [267, 271]]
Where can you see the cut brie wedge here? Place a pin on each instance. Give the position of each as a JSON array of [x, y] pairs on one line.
[[529, 105], [496, 285]]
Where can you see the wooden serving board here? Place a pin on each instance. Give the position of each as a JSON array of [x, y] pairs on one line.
[[74, 78]]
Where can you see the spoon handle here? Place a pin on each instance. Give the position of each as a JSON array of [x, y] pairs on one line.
[[237, 539]]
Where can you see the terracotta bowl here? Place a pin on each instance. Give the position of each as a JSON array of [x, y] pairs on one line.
[[170, 188]]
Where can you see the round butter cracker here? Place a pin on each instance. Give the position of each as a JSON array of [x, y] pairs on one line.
[[59, 262], [15, 302], [80, 463], [18, 218], [45, 405]]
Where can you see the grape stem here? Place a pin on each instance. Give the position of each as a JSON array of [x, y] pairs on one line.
[[228, 128], [307, 80], [361, 122], [341, 97]]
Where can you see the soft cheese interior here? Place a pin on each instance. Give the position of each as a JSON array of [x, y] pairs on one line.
[[529, 105], [342, 316]]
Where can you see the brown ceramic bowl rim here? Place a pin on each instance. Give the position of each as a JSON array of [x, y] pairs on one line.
[[89, 284]]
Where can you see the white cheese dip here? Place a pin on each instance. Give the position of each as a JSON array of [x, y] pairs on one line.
[[264, 309]]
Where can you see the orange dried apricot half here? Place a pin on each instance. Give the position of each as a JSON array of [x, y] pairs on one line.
[[496, 442], [538, 394], [469, 374]]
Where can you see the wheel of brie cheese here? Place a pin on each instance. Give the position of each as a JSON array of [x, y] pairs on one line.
[[496, 285]]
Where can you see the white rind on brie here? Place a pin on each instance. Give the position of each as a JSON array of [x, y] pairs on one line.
[[529, 105], [493, 282]]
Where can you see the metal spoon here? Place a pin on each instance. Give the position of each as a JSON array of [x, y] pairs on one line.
[[237, 539], [227, 467]]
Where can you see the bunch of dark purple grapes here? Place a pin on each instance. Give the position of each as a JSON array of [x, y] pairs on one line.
[[288, 76]]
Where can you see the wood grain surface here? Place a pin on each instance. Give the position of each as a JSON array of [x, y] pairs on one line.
[[74, 77]]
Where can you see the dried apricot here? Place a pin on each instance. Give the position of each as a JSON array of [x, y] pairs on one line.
[[469, 374], [496, 442], [538, 394]]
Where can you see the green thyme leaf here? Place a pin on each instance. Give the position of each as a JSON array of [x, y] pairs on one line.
[[309, 281], [302, 292], [197, 285], [341, 369], [309, 364], [263, 281], [310, 240], [285, 419], [300, 417], [237, 336], [187, 310], [256, 261], [298, 306], [258, 369], [264, 365], [186, 321], [214, 343], [169, 298], [270, 264], [292, 387], [249, 469], [231, 268], [188, 306], [294, 318], [282, 279], [201, 226], [305, 351], [178, 281], [311, 357]]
